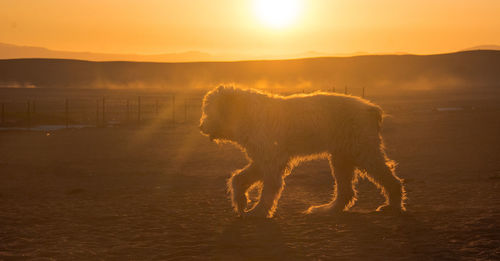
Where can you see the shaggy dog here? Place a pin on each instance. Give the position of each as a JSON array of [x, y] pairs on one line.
[[277, 133]]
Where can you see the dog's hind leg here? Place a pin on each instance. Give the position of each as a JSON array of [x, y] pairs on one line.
[[380, 171], [344, 193], [238, 184]]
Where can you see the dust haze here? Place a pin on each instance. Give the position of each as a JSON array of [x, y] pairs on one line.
[[104, 160]]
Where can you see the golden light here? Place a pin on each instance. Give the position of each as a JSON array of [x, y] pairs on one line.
[[277, 13]]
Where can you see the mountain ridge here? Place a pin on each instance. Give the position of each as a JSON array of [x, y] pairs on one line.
[[12, 51], [464, 68]]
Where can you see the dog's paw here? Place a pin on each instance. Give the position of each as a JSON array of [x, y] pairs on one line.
[[240, 204], [323, 209], [391, 209], [256, 213]]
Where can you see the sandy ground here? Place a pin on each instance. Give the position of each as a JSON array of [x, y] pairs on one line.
[[158, 194]]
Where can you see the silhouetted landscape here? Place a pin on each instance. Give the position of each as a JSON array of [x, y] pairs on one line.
[[249, 130], [155, 189], [379, 72]]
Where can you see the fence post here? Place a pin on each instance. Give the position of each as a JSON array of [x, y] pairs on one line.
[[363, 92], [29, 114], [104, 111], [173, 109], [185, 110], [128, 111], [97, 113], [156, 108], [3, 113], [139, 110], [66, 112]]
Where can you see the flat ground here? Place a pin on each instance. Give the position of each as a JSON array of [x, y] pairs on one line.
[[158, 193]]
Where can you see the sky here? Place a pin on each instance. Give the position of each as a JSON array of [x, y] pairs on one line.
[[245, 28]]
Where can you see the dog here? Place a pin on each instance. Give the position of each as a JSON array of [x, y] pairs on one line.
[[279, 132]]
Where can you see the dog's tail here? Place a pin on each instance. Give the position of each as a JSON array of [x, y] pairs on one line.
[[376, 114]]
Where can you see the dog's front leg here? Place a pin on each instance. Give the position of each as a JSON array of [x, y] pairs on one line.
[[273, 183], [241, 180]]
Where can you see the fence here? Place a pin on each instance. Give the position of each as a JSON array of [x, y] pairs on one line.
[[114, 108], [99, 111]]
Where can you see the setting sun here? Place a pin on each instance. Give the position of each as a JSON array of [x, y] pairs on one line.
[[277, 13]]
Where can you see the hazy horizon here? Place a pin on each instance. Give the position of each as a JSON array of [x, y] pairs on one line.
[[239, 30], [11, 51]]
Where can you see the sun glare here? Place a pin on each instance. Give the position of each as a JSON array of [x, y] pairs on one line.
[[277, 13]]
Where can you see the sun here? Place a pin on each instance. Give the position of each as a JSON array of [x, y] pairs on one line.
[[277, 13]]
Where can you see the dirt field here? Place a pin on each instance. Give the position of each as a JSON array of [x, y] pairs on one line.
[[158, 193]]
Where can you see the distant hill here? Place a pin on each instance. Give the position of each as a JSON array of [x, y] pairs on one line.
[[484, 47], [469, 68], [10, 51]]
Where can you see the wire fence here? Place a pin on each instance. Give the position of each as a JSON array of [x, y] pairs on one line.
[[111, 109], [99, 111]]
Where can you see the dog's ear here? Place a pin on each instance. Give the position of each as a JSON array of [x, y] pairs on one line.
[[219, 89]]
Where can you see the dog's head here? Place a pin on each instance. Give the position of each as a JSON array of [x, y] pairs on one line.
[[221, 113]]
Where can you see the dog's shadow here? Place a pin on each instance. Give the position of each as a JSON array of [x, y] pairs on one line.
[[253, 239], [375, 235], [353, 235]]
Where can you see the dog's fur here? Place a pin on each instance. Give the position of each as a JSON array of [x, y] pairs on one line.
[[278, 132]]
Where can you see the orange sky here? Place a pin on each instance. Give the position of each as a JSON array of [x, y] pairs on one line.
[[232, 26]]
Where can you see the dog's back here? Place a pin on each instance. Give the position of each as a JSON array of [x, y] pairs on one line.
[[324, 120]]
